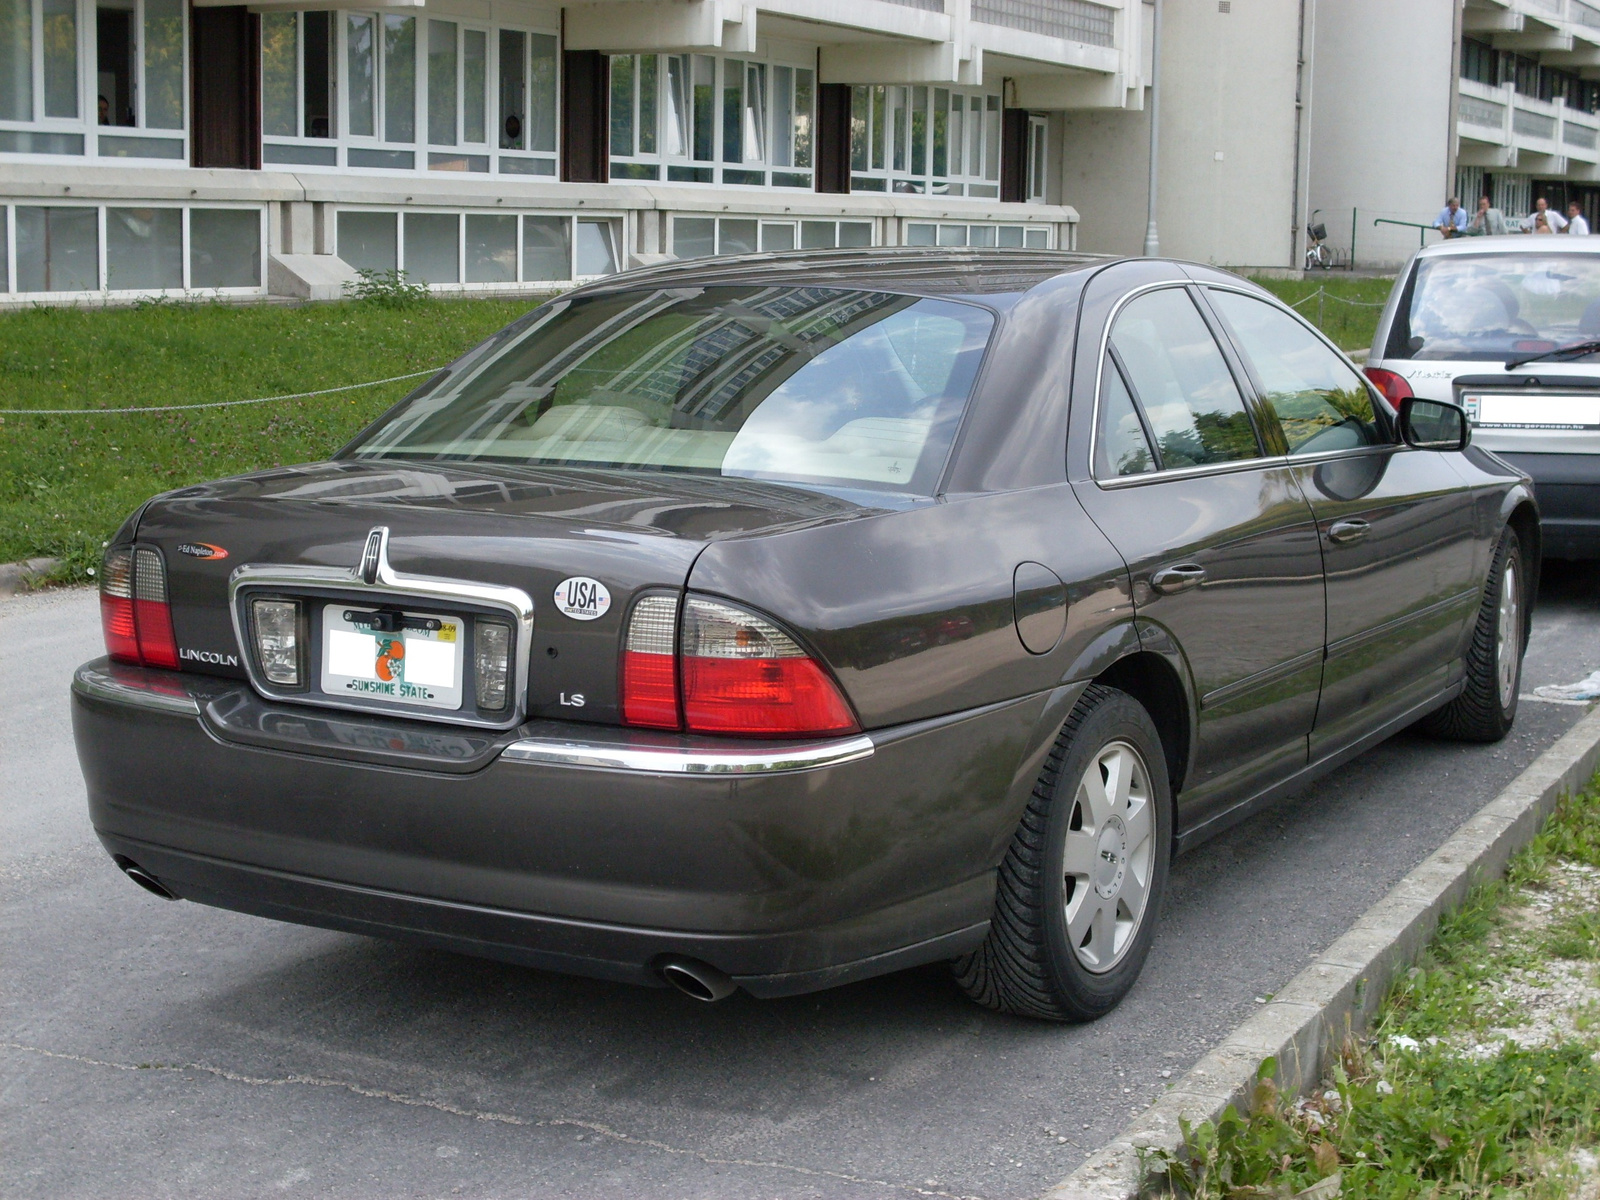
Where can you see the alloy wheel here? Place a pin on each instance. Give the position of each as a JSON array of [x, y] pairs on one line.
[[1508, 636], [1108, 857]]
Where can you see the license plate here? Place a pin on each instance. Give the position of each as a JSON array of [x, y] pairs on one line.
[[418, 664], [1534, 411]]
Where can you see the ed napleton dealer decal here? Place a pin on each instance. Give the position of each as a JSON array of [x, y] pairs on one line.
[[582, 598], [201, 550]]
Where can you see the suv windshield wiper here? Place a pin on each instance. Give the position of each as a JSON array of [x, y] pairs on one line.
[[1588, 347]]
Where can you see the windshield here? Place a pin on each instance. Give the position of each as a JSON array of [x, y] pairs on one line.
[[1494, 307], [800, 384]]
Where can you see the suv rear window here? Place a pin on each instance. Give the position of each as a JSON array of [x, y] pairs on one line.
[[1492, 307], [824, 385]]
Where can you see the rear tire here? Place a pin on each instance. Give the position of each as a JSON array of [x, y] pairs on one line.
[[1080, 889], [1486, 709]]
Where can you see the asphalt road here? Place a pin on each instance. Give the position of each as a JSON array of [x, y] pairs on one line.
[[153, 1049]]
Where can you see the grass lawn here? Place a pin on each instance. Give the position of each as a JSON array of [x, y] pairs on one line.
[[66, 483], [1482, 1077], [1348, 313]]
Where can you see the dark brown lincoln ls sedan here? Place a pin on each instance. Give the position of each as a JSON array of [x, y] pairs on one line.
[[775, 622]]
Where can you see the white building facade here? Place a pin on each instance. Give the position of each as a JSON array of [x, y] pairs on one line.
[[182, 147]]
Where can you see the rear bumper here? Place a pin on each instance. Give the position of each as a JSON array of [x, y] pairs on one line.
[[1568, 490], [568, 847]]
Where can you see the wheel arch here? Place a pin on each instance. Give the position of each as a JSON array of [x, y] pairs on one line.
[[1156, 684], [1524, 518]]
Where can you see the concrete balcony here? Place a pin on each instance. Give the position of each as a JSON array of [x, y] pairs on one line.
[[1498, 128], [1563, 33]]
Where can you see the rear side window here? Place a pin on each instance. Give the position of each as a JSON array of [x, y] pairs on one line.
[[1180, 379], [1122, 448], [1319, 400]]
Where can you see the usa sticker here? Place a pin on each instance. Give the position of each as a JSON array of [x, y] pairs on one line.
[[582, 598]]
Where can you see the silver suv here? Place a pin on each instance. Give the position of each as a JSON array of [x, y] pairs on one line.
[[1509, 328]]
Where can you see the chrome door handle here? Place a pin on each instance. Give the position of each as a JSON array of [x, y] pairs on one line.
[[1171, 580], [1345, 532]]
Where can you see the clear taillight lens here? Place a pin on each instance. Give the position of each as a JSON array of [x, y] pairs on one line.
[[650, 665], [116, 605], [152, 616], [134, 613], [276, 624], [744, 675], [492, 650]]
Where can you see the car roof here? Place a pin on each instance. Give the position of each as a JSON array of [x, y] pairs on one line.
[[1513, 243], [931, 271]]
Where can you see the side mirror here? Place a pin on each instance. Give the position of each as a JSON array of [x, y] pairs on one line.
[[1433, 424]]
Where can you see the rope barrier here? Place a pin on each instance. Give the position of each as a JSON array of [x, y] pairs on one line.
[[155, 408], [1324, 292]]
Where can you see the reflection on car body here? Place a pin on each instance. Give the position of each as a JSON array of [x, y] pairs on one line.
[[946, 595]]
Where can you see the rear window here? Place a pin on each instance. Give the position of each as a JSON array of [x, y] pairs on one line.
[[1492, 307], [825, 385]]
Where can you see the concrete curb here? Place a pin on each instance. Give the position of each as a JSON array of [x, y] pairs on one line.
[[24, 576], [1343, 988]]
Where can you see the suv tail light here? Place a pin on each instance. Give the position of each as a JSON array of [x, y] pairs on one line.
[[1394, 387], [735, 673], [134, 612]]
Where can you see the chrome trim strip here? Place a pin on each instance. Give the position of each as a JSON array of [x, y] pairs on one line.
[[98, 683], [385, 579], [687, 760]]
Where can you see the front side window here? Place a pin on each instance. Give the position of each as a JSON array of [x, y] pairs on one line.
[[1493, 307], [1319, 400], [809, 385], [1182, 382]]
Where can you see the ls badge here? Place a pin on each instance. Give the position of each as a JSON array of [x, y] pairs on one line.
[[582, 598]]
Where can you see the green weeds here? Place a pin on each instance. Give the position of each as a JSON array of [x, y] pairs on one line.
[[1435, 1104]]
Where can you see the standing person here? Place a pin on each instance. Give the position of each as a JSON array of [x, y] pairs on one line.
[[1577, 223], [1452, 220], [1488, 220], [1545, 219]]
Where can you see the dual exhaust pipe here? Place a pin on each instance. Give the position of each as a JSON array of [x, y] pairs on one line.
[[695, 979]]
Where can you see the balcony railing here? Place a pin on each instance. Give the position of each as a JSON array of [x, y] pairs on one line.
[[1071, 20], [1533, 124], [1498, 116]]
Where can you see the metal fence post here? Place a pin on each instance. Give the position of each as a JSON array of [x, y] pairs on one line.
[[1352, 239]]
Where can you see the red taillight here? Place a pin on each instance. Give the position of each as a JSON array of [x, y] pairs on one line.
[[133, 608], [650, 664], [1394, 387], [116, 605], [744, 675]]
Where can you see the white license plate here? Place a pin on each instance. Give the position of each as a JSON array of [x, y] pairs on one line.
[[1534, 411], [410, 666]]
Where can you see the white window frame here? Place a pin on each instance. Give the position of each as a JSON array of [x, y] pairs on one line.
[[959, 233], [86, 124], [421, 149], [8, 279], [979, 142], [663, 162], [1038, 158], [617, 219]]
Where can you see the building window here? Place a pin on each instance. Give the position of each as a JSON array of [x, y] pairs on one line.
[[701, 237], [453, 249], [1038, 158], [695, 118], [1525, 75], [140, 249], [404, 81], [1034, 237], [1478, 62], [925, 140], [108, 80]]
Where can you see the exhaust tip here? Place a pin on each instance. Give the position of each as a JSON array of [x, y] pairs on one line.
[[695, 979], [143, 878]]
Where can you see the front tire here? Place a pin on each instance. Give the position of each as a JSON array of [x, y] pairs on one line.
[[1081, 886], [1487, 707]]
